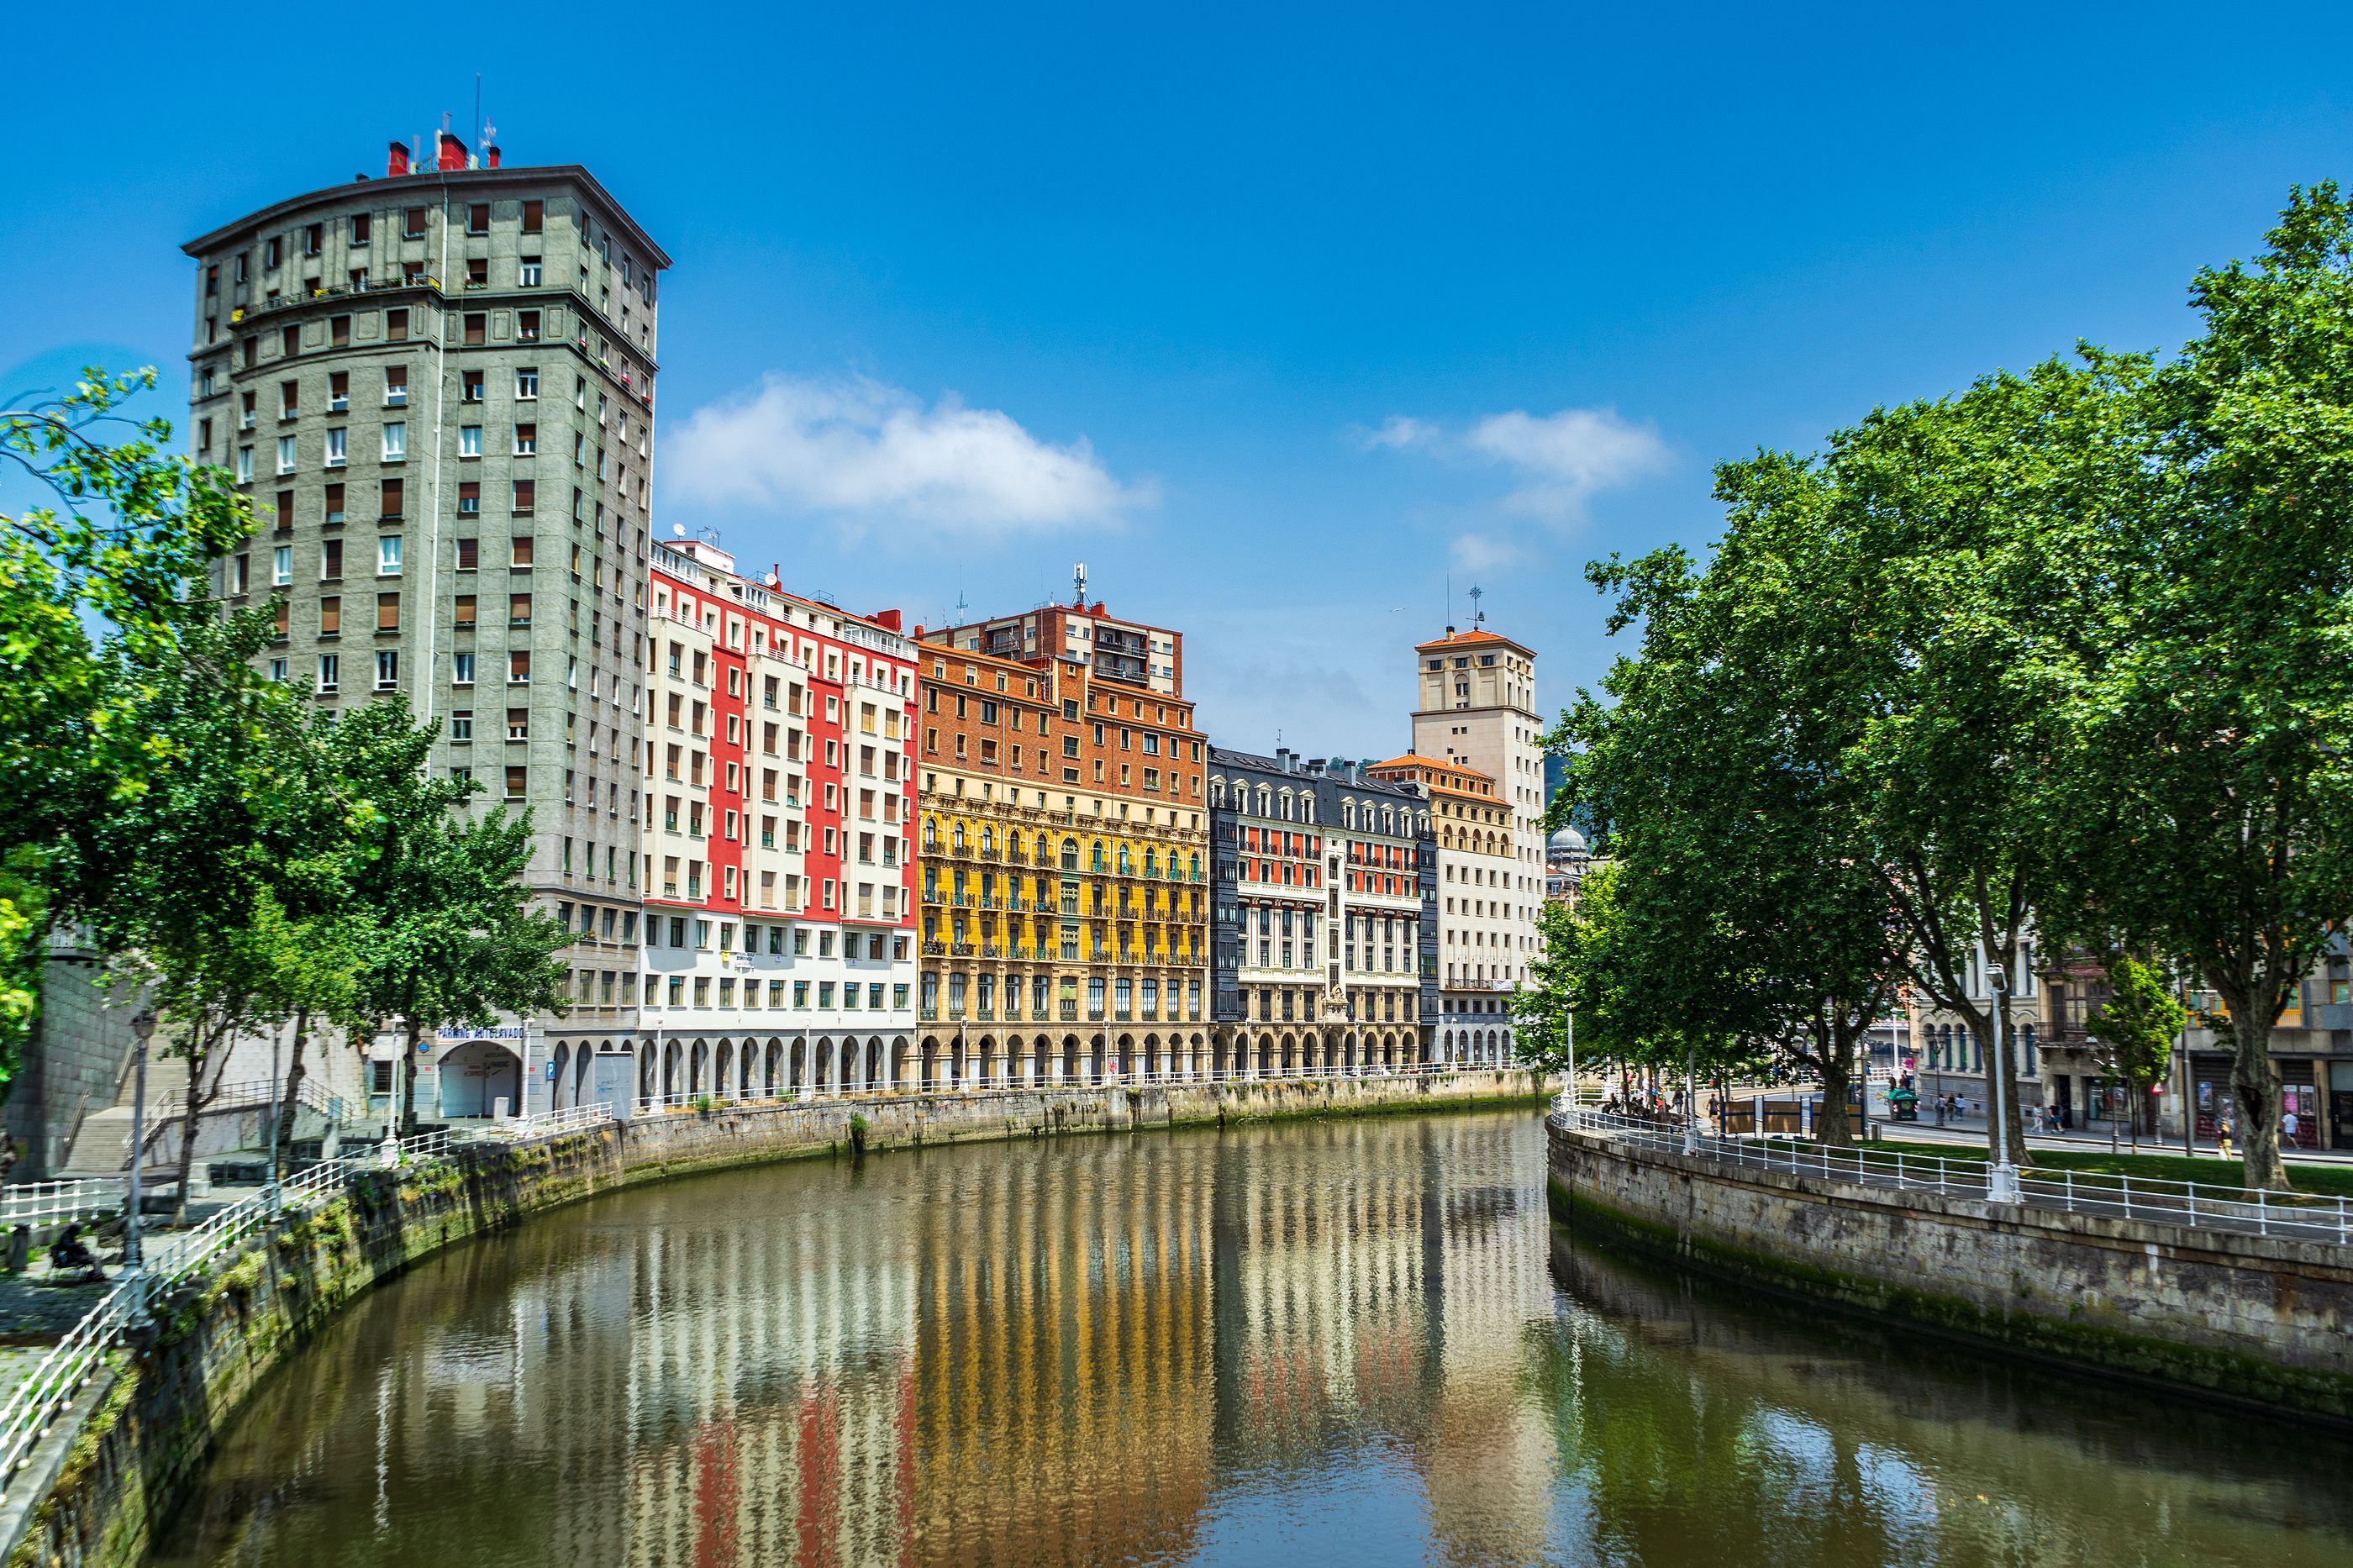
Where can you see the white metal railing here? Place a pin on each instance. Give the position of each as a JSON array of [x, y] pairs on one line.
[[46, 1203], [548, 1123], [2299, 1216], [37, 1401]]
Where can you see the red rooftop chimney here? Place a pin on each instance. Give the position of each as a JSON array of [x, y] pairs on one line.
[[396, 163], [887, 619], [490, 156], [452, 153]]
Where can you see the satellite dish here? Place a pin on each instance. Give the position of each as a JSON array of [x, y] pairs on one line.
[[677, 530]]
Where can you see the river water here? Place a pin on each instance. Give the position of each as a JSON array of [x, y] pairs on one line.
[[1357, 1343]]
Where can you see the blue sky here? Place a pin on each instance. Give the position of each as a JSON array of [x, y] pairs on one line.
[[1272, 315]]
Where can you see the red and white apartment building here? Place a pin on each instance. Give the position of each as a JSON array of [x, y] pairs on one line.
[[778, 855]]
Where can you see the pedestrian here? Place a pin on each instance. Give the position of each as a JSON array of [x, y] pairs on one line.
[[2223, 1139], [2287, 1129]]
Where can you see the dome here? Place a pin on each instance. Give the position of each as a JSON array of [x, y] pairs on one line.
[[1567, 841]]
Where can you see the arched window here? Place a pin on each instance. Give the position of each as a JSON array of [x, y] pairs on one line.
[[1217, 792], [1013, 843], [988, 840], [1196, 868], [1070, 854], [1151, 864], [1095, 857], [956, 835], [1125, 866], [930, 833]]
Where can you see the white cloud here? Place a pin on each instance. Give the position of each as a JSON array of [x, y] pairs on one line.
[[1399, 431], [1559, 461], [857, 449], [1565, 458], [1484, 553]]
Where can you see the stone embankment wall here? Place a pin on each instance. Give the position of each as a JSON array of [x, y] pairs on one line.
[[118, 1467], [2245, 1319]]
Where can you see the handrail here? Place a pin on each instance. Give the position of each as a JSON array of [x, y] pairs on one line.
[[42, 1202], [2301, 1216]]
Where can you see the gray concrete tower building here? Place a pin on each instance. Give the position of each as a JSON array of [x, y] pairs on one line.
[[437, 388]]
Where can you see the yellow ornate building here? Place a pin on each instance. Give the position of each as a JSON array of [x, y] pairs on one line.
[[1063, 875]]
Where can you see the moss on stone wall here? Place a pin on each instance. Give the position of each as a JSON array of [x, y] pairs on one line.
[[2069, 1337]]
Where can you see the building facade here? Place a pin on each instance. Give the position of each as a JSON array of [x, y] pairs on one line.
[[1478, 921], [1476, 710], [1322, 843], [778, 865], [1064, 867], [437, 389]]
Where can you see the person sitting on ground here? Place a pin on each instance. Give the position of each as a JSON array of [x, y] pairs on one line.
[[69, 1254]]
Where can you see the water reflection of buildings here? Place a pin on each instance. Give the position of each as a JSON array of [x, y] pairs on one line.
[[1062, 1383], [1390, 1299], [1056, 1356]]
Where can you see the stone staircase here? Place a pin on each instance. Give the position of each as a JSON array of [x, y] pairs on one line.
[[103, 1147]]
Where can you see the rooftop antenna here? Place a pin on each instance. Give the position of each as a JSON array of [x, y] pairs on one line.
[[1478, 615], [1079, 580], [477, 127], [1450, 604]]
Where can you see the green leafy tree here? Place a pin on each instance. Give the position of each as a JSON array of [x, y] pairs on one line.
[[111, 563], [450, 933], [2133, 1032], [2218, 828]]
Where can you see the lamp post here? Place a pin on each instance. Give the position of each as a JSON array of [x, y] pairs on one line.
[[2001, 1176], [143, 1028]]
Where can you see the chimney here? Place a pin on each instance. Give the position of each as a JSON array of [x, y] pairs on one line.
[[490, 156], [452, 153], [887, 619], [396, 163]]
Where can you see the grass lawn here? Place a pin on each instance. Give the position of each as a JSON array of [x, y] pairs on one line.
[[2332, 1181]]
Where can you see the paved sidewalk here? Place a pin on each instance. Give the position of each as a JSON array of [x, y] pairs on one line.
[[1972, 1130]]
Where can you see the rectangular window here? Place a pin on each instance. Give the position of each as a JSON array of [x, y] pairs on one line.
[[462, 724], [518, 723], [530, 274], [469, 440], [339, 392], [387, 612], [463, 612], [534, 217], [526, 440], [286, 454], [285, 511], [338, 331], [478, 218], [330, 557], [518, 779], [527, 326], [395, 386], [395, 326], [519, 609], [526, 494], [330, 615], [469, 554], [395, 442], [360, 224], [461, 669], [244, 465], [412, 224], [519, 665], [387, 670], [393, 492], [337, 456], [329, 671], [281, 563], [477, 327], [387, 556], [470, 498], [526, 384]]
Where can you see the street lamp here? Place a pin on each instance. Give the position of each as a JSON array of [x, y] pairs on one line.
[[2001, 1176], [143, 1028]]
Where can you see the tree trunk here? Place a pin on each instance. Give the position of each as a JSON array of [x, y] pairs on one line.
[[2008, 1122], [408, 1088], [289, 1096], [2255, 1084], [1838, 1072], [198, 1098]]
